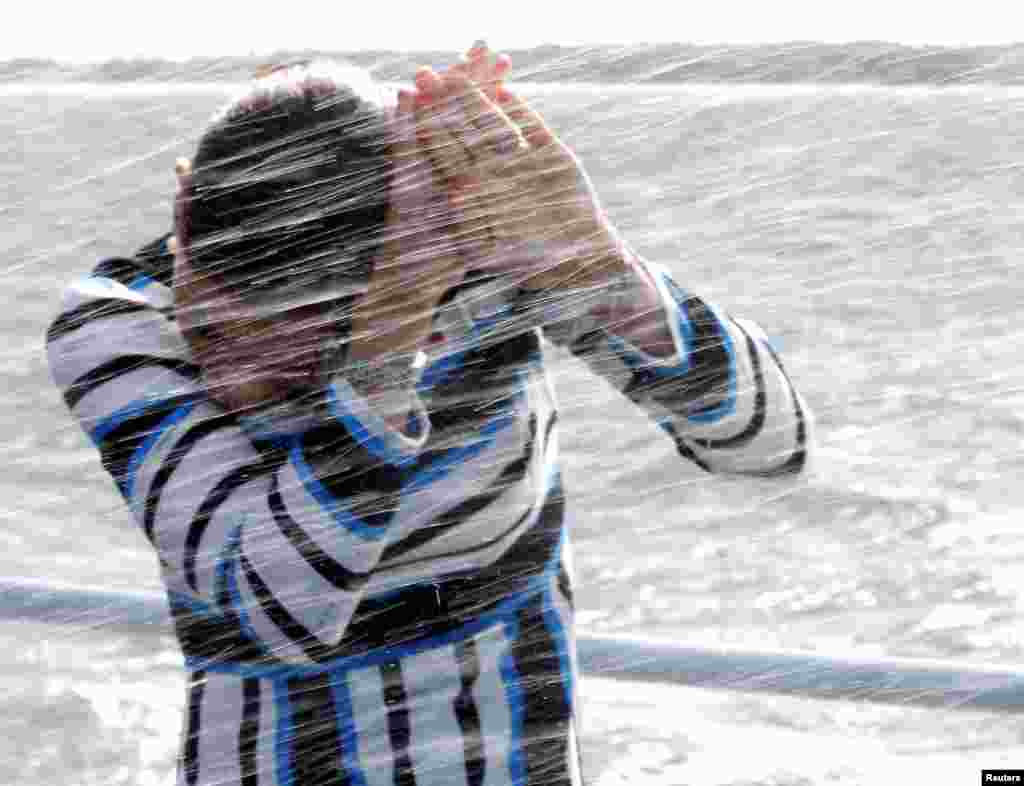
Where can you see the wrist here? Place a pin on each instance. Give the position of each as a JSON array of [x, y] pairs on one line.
[[387, 383], [638, 312], [598, 258], [380, 329], [390, 373]]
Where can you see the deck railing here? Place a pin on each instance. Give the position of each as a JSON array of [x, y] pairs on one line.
[[906, 682]]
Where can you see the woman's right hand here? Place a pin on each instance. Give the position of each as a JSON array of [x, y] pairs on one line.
[[423, 254], [418, 259]]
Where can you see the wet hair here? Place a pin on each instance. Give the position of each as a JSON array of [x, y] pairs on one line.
[[290, 180]]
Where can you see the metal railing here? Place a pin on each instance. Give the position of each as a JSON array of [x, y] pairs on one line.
[[906, 682]]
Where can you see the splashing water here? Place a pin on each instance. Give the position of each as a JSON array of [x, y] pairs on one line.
[[873, 232]]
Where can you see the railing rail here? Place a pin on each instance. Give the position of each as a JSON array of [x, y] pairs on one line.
[[902, 681]]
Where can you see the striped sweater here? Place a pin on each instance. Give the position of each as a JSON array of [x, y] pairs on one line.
[[361, 605]]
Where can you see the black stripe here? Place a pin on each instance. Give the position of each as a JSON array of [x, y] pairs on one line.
[[330, 569], [468, 714], [512, 474], [118, 269], [586, 343], [119, 445], [215, 637], [682, 448], [70, 321], [296, 632], [565, 585], [201, 520], [348, 471], [249, 733], [155, 261], [462, 552], [422, 611], [709, 362], [468, 508], [547, 713], [798, 458], [315, 748], [756, 422], [485, 385], [171, 463], [190, 752], [122, 364], [399, 731]]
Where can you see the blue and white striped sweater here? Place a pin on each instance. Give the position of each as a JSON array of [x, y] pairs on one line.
[[321, 568]]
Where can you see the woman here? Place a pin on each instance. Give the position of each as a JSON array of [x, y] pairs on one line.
[[330, 417]]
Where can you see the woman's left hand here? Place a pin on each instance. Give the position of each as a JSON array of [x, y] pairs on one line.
[[527, 208]]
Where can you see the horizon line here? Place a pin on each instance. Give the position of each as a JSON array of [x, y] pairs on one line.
[[795, 42]]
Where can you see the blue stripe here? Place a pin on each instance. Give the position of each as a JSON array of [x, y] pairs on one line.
[[642, 363], [327, 501], [457, 456], [517, 709], [680, 296], [433, 375], [125, 414], [227, 579], [437, 372], [412, 425], [375, 444], [128, 482], [728, 405], [193, 606], [140, 282], [347, 733], [283, 734], [646, 364]]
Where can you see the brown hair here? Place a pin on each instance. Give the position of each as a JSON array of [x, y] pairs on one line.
[[290, 178]]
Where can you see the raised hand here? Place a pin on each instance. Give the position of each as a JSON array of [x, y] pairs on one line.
[[428, 236], [527, 207], [420, 255], [479, 65]]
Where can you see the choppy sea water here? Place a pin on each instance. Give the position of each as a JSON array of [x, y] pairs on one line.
[[874, 232]]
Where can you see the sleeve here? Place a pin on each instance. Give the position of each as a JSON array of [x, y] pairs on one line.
[[283, 547], [723, 396]]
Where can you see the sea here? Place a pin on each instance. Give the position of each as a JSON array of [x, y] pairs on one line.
[[876, 233]]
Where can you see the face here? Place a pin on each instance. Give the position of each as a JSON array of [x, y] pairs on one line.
[[252, 354], [263, 344]]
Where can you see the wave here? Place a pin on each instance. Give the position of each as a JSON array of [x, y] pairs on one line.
[[867, 62]]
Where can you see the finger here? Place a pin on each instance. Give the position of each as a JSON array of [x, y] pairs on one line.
[[437, 131], [183, 208], [478, 59], [443, 148], [492, 80], [531, 125], [478, 49], [415, 185], [485, 68], [485, 128], [183, 173], [430, 85], [502, 66]]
